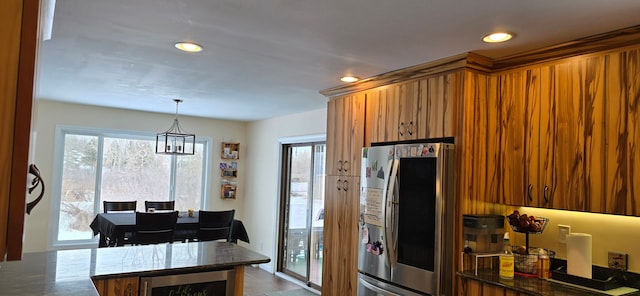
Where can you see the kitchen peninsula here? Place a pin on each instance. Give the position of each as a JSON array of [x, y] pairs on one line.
[[129, 270]]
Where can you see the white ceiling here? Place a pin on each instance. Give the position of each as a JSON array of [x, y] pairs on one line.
[[266, 58]]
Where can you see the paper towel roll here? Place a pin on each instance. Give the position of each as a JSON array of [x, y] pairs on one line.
[[579, 254]]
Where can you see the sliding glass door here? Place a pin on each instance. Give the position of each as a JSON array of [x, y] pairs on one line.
[[302, 212]]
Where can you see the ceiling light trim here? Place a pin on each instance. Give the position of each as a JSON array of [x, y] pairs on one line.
[[189, 46], [497, 37], [349, 79]]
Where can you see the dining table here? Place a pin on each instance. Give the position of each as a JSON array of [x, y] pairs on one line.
[[113, 226]]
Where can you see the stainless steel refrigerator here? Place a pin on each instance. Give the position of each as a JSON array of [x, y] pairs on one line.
[[406, 222]]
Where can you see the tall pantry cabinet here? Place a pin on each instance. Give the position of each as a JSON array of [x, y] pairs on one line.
[[345, 139], [18, 31]]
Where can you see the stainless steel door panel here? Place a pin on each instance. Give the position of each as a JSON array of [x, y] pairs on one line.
[[368, 261], [368, 286], [375, 166], [416, 278]]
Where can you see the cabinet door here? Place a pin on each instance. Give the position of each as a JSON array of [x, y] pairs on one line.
[[395, 113], [18, 29], [410, 109], [609, 90], [439, 97], [513, 184], [378, 113], [479, 141], [339, 267], [568, 183], [127, 286], [540, 135], [345, 134]]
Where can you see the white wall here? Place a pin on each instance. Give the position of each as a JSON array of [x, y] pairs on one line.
[[263, 161], [609, 233], [48, 114]]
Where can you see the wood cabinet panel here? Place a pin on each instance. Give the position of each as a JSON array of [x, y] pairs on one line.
[[477, 146], [18, 29], [613, 176], [339, 269], [418, 109], [345, 134], [440, 96], [569, 130], [476, 288], [410, 108], [392, 112], [376, 115], [127, 286], [10, 19], [568, 170], [511, 100]]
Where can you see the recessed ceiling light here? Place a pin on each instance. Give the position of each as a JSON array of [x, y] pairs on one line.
[[497, 37], [188, 47], [349, 79]]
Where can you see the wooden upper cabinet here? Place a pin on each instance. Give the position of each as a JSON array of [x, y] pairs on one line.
[[534, 151], [511, 117], [439, 97], [379, 111], [345, 134], [477, 147], [608, 163], [418, 109], [567, 134], [392, 112]]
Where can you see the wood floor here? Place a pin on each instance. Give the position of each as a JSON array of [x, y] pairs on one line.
[[257, 282]]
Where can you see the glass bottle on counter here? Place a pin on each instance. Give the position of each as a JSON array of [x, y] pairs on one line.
[[543, 264], [506, 259]]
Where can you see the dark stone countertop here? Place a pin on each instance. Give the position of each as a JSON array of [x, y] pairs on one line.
[[69, 272], [529, 285]]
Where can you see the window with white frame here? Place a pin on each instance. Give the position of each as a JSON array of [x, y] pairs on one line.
[[94, 165]]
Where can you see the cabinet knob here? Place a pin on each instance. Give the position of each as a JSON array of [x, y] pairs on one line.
[[339, 165], [410, 128], [345, 185], [400, 129], [546, 194], [339, 184], [345, 166]]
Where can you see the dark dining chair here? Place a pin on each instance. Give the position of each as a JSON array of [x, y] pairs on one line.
[[215, 225], [155, 228], [160, 205], [119, 206]]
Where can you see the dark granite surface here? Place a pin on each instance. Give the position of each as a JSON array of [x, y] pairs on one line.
[[69, 272], [529, 285]]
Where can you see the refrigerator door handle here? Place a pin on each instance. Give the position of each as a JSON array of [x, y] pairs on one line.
[[376, 289], [385, 187], [389, 221]]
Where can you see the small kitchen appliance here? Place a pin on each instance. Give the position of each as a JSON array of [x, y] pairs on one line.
[[483, 233]]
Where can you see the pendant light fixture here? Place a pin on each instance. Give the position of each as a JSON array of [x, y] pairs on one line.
[[175, 141]]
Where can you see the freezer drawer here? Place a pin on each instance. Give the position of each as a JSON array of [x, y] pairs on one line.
[[368, 286]]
